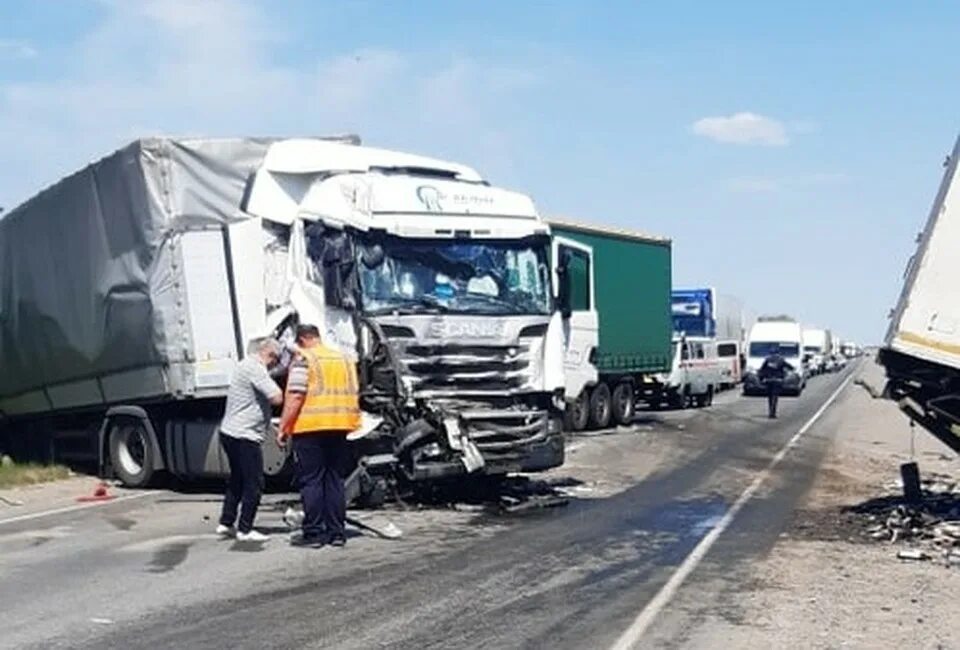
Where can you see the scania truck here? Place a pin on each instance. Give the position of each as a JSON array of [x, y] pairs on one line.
[[129, 290]]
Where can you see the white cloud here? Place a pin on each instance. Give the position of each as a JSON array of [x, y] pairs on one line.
[[742, 128], [14, 49], [167, 65]]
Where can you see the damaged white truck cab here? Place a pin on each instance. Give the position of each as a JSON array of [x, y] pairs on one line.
[[436, 282], [184, 251]]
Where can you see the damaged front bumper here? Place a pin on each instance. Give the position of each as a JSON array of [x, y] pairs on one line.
[[489, 442]]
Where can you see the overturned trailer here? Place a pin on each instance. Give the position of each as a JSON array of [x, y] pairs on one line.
[[129, 290], [921, 352]]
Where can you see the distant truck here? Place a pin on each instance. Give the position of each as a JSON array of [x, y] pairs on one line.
[[817, 344], [614, 294], [921, 351], [771, 335], [732, 328], [130, 289], [707, 315]]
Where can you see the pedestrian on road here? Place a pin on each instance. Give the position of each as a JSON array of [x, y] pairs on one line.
[[320, 408], [250, 401], [772, 373]]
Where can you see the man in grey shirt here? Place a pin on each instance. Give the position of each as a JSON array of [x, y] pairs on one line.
[[250, 402]]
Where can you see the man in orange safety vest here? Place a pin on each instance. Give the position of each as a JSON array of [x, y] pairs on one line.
[[320, 407]]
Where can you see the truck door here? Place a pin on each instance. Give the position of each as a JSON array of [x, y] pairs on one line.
[[573, 276]]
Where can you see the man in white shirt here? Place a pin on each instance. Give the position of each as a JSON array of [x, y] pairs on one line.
[[250, 401]]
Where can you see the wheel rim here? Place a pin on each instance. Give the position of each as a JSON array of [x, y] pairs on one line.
[[132, 451], [624, 402], [603, 411], [581, 411], [602, 405]]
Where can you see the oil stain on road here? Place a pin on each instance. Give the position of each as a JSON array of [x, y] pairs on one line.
[[169, 557]]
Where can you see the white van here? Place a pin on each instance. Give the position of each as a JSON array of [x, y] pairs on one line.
[[730, 359], [694, 376], [767, 337]]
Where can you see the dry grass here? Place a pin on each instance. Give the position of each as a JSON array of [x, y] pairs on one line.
[[13, 474]]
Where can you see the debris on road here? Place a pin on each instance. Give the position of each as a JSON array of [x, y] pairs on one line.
[[912, 554], [100, 493], [931, 525]]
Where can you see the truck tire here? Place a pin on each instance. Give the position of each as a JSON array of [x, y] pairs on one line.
[[705, 399], [624, 406], [131, 454], [601, 406], [678, 399], [577, 414]]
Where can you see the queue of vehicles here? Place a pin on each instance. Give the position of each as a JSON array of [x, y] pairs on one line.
[[481, 329]]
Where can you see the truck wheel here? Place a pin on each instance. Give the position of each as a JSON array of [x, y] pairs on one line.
[[709, 398], [131, 453], [624, 407], [601, 408], [678, 399], [577, 414]]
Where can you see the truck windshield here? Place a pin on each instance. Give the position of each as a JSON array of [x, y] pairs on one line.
[[766, 348], [502, 277]]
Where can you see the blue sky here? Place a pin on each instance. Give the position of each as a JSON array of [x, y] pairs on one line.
[[791, 150]]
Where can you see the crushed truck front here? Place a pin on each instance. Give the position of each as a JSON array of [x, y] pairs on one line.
[[440, 286]]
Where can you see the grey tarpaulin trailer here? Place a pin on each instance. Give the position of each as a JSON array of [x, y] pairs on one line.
[[120, 318]]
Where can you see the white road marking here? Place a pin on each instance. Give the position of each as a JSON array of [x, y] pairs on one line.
[[79, 506], [632, 635]]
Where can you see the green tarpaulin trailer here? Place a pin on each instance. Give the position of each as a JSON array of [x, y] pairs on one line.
[[630, 304]]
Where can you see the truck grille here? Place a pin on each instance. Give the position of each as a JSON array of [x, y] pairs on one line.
[[504, 433], [450, 369]]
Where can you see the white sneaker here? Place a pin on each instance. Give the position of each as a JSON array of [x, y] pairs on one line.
[[252, 536], [226, 531]]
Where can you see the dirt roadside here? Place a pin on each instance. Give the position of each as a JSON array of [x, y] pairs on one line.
[[826, 583]]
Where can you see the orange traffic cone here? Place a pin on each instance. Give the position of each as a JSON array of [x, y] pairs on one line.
[[100, 493]]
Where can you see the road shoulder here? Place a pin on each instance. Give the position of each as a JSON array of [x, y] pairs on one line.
[[824, 584]]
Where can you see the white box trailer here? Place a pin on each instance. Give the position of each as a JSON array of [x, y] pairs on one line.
[[816, 345], [731, 335], [129, 290], [921, 351]]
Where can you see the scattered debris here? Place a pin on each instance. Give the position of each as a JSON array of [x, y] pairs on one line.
[[385, 530], [10, 502], [100, 493], [912, 554], [874, 393], [930, 524]]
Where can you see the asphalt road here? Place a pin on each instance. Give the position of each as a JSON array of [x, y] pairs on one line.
[[148, 572]]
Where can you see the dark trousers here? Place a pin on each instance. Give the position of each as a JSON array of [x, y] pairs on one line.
[[245, 484], [774, 388], [320, 465]]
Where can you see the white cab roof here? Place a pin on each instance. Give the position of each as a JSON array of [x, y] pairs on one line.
[[367, 188], [310, 156]]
